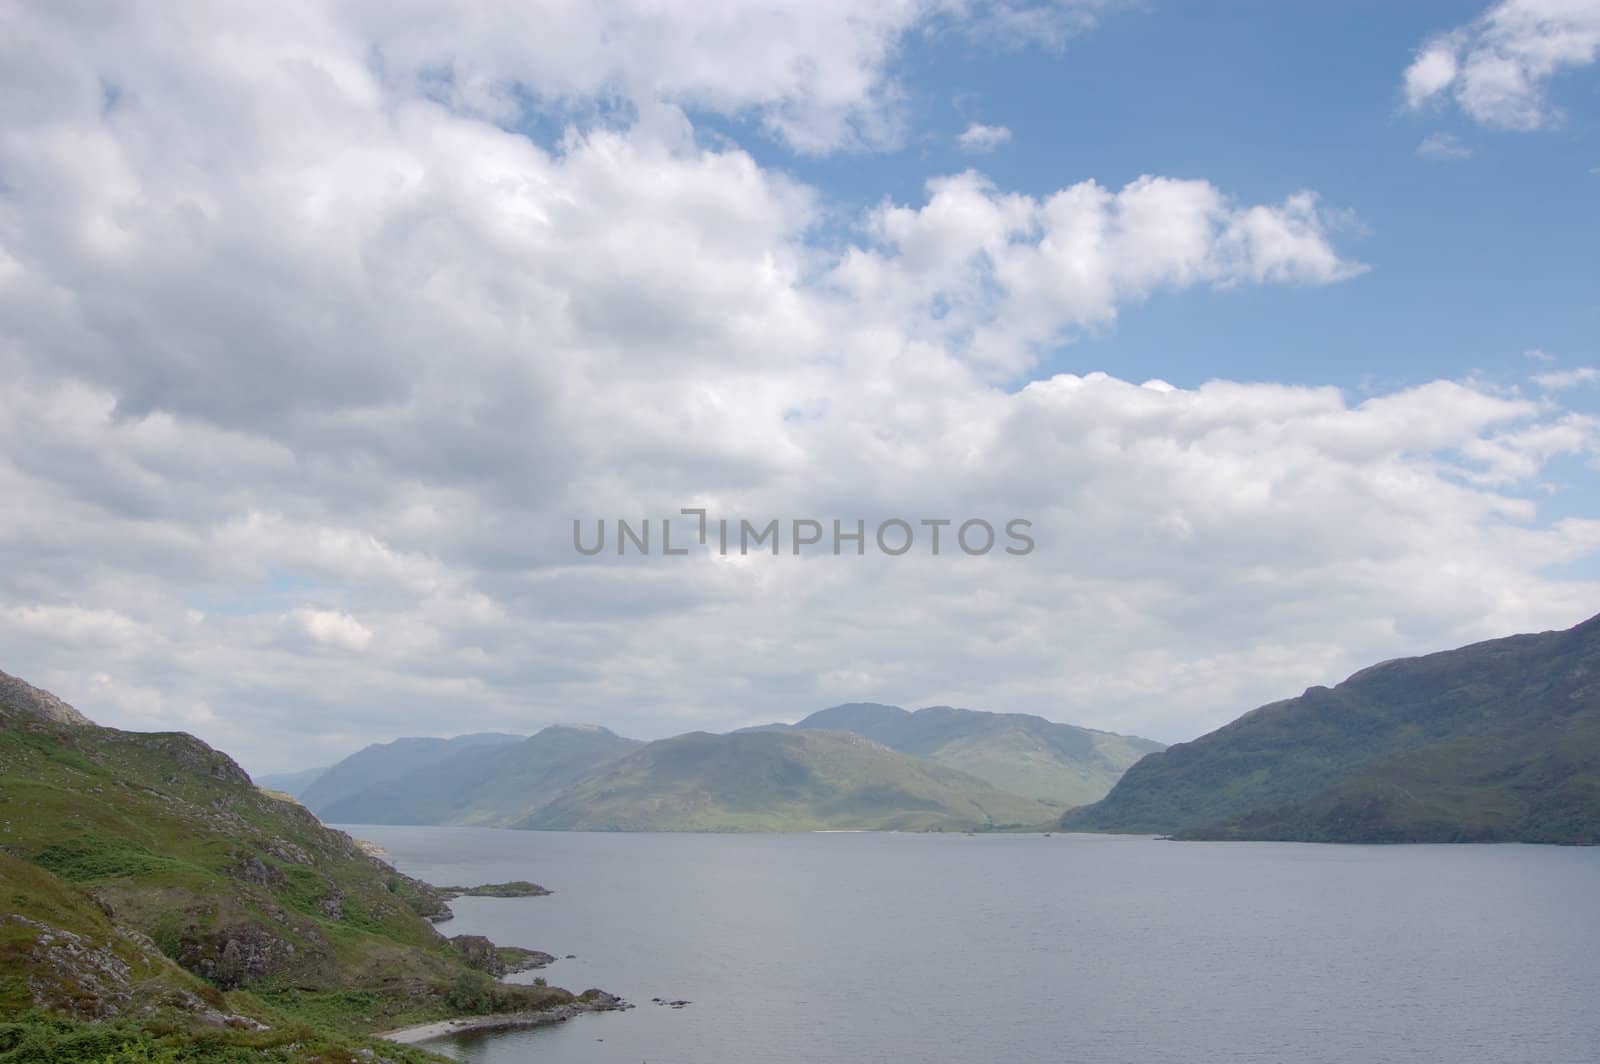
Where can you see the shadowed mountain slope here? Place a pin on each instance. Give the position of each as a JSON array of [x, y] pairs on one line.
[[1499, 740]]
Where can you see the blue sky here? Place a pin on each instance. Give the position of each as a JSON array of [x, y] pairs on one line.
[[1475, 260]]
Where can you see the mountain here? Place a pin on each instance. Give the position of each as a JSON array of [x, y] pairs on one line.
[[155, 901], [1498, 741], [389, 762], [489, 781], [780, 781], [1016, 752], [293, 784], [484, 784]]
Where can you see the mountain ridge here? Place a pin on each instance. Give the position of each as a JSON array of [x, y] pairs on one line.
[[1498, 740], [384, 762], [418, 781], [780, 781], [1020, 752], [485, 784]]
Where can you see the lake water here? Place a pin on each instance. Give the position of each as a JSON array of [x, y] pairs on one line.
[[992, 949]]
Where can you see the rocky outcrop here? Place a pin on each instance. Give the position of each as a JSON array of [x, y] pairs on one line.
[[252, 869], [71, 974], [234, 956], [23, 696], [83, 978], [482, 954]]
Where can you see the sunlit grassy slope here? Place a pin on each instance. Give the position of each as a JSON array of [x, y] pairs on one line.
[[782, 781]]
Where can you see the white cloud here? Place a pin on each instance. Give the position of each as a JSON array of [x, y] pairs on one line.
[[997, 276], [1432, 71], [129, 706], [1443, 146], [1498, 68], [1569, 378], [978, 138], [332, 628], [815, 74]]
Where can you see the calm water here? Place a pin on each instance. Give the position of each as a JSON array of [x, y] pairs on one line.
[[812, 949]]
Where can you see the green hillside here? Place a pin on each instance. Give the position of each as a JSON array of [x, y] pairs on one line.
[[1495, 741], [484, 785], [146, 883], [780, 781], [1016, 752]]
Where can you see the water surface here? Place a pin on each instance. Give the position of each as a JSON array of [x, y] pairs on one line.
[[952, 949]]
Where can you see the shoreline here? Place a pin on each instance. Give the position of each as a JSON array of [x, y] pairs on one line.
[[498, 1021]]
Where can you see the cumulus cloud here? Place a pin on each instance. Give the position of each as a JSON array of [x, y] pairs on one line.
[[817, 75], [978, 138], [997, 275], [312, 358], [1498, 68]]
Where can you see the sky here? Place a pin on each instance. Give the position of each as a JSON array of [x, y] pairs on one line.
[[322, 323]]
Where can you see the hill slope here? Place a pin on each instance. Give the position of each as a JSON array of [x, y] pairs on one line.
[[1495, 741], [145, 880], [1016, 752], [383, 763], [779, 781], [485, 785]]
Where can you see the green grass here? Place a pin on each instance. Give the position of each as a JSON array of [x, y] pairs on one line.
[[93, 859], [782, 781], [35, 1038]]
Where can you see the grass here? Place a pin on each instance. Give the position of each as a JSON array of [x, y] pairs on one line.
[[782, 781], [35, 1038]]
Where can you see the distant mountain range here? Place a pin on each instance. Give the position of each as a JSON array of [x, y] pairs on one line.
[[383, 762], [1023, 754], [481, 783], [1497, 741], [935, 768], [780, 781], [293, 784]]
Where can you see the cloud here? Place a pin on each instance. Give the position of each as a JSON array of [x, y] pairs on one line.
[[1444, 147], [1498, 68], [332, 628], [998, 276], [816, 75], [1570, 378], [312, 357], [978, 138]]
